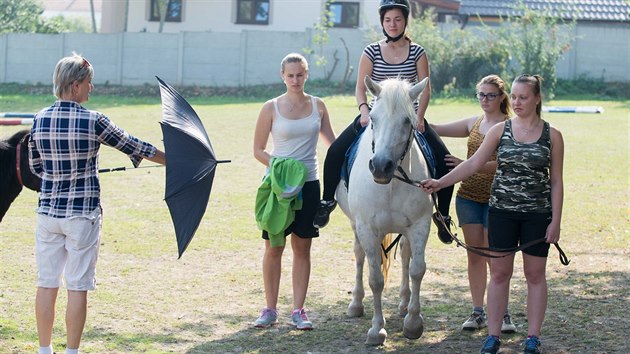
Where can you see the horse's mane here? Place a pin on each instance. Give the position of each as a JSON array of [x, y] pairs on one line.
[[395, 97], [15, 138]]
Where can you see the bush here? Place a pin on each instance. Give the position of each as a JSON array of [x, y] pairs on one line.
[[589, 87], [458, 58]]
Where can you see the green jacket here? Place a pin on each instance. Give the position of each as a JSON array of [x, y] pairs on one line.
[[278, 197]]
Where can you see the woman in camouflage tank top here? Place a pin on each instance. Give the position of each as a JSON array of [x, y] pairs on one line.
[[525, 204], [471, 202]]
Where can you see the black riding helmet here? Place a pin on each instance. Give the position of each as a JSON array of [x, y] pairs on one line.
[[385, 5]]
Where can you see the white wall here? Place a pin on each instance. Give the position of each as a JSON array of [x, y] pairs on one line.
[[220, 16]]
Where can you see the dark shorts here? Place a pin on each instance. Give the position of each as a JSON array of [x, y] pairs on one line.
[[508, 229], [302, 226]]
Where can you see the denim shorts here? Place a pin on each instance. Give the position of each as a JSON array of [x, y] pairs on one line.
[[68, 247], [471, 212]]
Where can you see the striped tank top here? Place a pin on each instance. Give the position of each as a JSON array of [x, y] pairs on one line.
[[382, 70], [522, 182]]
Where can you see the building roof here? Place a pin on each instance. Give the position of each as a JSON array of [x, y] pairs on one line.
[[582, 10]]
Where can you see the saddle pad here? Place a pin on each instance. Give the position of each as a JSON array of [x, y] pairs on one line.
[[426, 151], [351, 155]]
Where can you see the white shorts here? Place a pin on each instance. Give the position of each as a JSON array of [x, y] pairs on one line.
[[71, 244]]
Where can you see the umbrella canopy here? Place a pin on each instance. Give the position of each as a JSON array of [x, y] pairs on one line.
[[190, 164]]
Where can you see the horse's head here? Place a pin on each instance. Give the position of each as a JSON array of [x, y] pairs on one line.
[[393, 120]]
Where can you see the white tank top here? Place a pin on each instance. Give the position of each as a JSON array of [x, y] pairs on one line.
[[297, 138]]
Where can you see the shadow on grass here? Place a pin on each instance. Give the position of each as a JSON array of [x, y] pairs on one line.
[[586, 311], [126, 342]]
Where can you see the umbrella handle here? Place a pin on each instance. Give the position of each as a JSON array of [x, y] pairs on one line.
[[223, 161]]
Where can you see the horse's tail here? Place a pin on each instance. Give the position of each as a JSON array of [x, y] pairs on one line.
[[385, 258]]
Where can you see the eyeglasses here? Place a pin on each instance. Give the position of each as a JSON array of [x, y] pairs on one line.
[[85, 64], [488, 96]]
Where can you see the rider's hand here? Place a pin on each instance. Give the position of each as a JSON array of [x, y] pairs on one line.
[[452, 161], [365, 118]]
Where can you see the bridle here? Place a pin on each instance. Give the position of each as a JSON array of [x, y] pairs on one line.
[[407, 146], [18, 162]]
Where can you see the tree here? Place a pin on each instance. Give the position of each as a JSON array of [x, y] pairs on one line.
[[536, 42], [94, 29], [162, 7], [320, 39], [458, 58], [25, 16], [20, 15]]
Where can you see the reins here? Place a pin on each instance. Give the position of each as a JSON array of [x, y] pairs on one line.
[[481, 251]]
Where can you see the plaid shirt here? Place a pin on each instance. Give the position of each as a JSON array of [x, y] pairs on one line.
[[64, 145]]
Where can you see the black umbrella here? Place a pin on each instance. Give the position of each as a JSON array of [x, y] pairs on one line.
[[190, 164]]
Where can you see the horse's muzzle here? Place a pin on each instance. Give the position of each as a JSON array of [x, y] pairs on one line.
[[382, 170]]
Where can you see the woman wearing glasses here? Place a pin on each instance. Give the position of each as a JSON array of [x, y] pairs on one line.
[[471, 202]]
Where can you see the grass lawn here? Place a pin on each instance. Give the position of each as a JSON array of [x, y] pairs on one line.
[[147, 301]]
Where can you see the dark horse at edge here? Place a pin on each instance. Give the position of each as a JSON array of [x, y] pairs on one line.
[[15, 172]]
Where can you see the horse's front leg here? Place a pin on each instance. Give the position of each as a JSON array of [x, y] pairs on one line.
[[405, 293], [356, 309], [413, 325], [372, 246]]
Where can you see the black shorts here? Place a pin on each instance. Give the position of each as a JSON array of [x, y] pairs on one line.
[[302, 226], [509, 229]]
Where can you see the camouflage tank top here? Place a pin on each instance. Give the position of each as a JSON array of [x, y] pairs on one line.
[[522, 182]]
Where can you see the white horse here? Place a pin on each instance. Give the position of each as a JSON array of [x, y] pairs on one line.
[[377, 204]]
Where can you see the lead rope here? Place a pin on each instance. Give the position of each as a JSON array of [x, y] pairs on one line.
[[474, 249]]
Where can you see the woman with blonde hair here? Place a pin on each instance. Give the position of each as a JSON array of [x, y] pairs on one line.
[[471, 202]]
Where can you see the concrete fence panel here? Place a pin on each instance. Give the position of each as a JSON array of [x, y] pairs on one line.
[[252, 57]]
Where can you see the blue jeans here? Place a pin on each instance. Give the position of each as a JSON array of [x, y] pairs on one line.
[[471, 212]]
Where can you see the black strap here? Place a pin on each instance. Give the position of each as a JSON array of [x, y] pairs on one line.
[[481, 251], [392, 245]]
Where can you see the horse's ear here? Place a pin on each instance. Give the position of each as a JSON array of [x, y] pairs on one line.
[[417, 89], [373, 87]]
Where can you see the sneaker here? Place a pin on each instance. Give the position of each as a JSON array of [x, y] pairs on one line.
[[532, 345], [475, 321], [444, 228], [322, 215], [508, 326], [268, 317], [490, 345], [300, 320]]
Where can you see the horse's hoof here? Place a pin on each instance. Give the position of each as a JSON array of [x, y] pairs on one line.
[[413, 327], [356, 311], [376, 339]]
